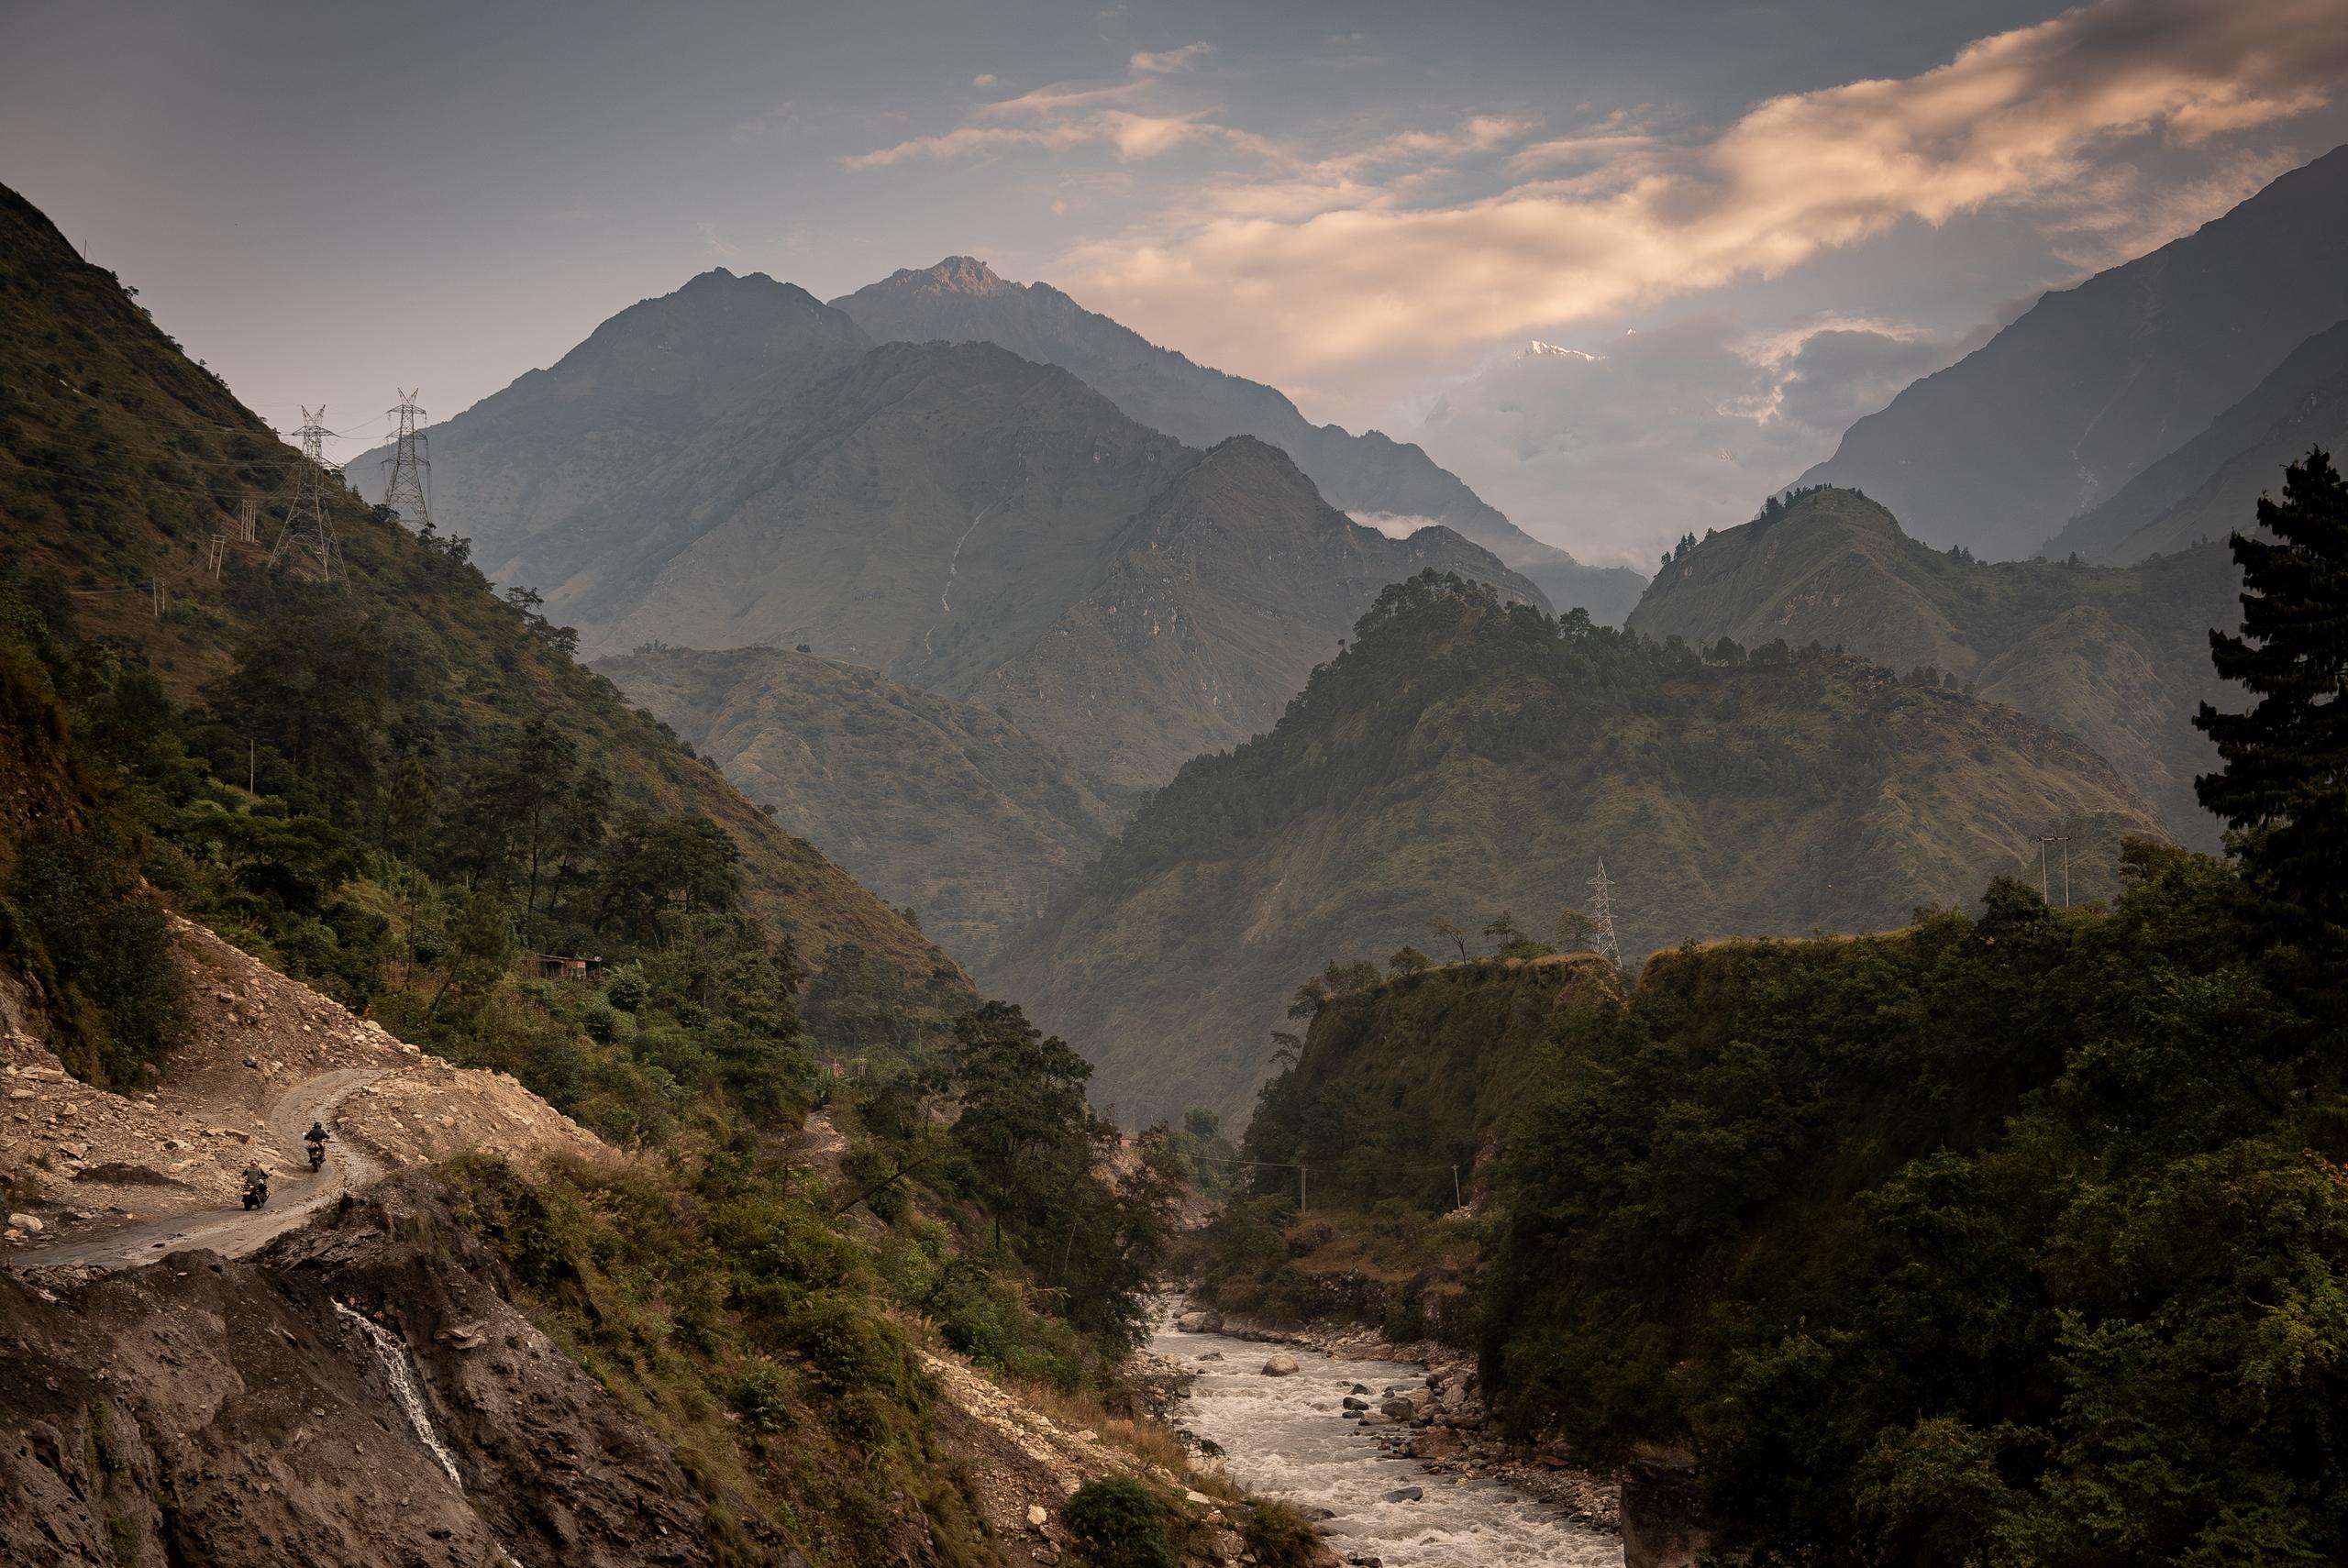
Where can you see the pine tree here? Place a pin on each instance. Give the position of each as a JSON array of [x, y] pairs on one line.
[[2284, 782]]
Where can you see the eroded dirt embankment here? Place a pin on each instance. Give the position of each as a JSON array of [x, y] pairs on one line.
[[262, 1055]]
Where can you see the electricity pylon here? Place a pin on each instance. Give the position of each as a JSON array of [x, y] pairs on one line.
[[305, 540], [410, 465], [1601, 915]]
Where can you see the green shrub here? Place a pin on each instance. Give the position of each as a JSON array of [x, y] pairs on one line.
[[1119, 1523], [1280, 1537]]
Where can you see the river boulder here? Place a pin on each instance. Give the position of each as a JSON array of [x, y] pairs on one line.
[[1199, 1322], [1281, 1365]]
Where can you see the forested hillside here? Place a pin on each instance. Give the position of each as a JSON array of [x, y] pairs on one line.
[[2118, 658], [1464, 759], [725, 1310], [402, 733], [2016, 1234], [942, 807]]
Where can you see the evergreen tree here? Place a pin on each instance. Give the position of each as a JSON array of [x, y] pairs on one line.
[[2285, 778]]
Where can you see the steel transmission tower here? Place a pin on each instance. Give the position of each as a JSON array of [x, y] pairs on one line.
[[1601, 915], [305, 541], [410, 465]]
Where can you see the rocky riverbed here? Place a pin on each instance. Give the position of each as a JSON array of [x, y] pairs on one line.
[[1388, 1449]]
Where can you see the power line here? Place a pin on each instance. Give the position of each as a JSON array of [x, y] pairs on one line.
[[410, 465], [1601, 906], [306, 537]]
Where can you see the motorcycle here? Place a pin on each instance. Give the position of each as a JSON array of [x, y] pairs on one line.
[[317, 1158], [256, 1194]]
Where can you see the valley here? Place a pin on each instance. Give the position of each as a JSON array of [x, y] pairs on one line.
[[885, 921]]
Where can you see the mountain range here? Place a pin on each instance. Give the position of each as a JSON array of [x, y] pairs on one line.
[[961, 299], [2118, 658], [1463, 759], [2095, 384], [961, 519]]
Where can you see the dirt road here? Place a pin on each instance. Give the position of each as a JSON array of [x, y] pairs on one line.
[[294, 1192]]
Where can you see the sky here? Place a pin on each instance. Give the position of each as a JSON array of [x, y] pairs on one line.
[[1734, 228]]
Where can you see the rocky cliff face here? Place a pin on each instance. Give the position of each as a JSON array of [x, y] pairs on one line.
[[364, 1391]]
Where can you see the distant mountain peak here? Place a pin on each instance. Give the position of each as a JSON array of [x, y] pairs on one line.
[[956, 275], [1536, 349]]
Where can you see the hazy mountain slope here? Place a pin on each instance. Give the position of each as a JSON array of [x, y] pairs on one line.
[[1224, 594], [549, 477], [2209, 487], [120, 461], [927, 511], [2119, 659], [961, 299], [1461, 759], [2094, 384], [942, 805]]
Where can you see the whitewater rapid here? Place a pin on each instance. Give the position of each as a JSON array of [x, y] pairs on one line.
[[1287, 1438]]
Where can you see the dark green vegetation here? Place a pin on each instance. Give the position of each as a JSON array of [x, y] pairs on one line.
[[1119, 1523], [388, 785], [2016, 1237], [2093, 385], [961, 300], [1463, 759], [2284, 782], [2118, 658], [938, 806], [962, 520]]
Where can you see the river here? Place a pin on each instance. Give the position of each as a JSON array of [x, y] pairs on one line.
[[1287, 1438]]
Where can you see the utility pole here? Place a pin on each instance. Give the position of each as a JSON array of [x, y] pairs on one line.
[[2045, 890], [1300, 1190], [1601, 915], [409, 465], [305, 540], [213, 553]]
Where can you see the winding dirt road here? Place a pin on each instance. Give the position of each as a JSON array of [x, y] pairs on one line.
[[295, 1191]]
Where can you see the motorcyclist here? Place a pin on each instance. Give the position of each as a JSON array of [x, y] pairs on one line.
[[317, 1139], [256, 1185]]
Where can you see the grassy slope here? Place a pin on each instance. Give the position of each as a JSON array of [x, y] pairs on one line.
[[2118, 658], [939, 804], [1455, 766], [120, 460]]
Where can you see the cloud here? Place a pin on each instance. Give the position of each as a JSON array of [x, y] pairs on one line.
[[1618, 217], [1168, 61], [716, 242], [1613, 448], [1123, 117], [988, 80]]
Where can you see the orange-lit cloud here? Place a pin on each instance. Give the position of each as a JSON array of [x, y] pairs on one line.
[[1307, 267]]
